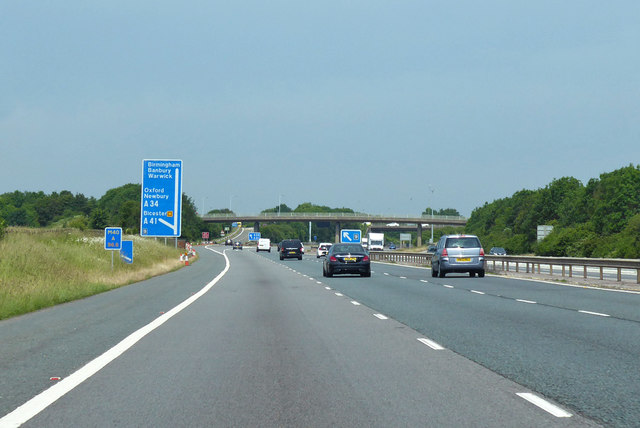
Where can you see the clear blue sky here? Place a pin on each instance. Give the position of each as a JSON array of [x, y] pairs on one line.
[[380, 106]]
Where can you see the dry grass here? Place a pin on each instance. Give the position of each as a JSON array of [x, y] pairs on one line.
[[48, 267]]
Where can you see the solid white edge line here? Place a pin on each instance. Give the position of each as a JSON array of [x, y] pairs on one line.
[[526, 301], [594, 313], [380, 316], [544, 405], [47, 397], [431, 344]]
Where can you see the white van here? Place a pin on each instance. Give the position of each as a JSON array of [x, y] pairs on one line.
[[264, 244]]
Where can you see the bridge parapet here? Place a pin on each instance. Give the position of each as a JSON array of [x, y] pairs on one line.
[[324, 216]]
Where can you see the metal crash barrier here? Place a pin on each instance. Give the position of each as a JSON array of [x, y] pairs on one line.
[[618, 269]]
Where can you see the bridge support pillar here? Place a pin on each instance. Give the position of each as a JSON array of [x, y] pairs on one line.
[[419, 238], [337, 237], [256, 226]]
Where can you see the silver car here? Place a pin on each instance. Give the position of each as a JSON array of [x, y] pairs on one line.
[[460, 254]]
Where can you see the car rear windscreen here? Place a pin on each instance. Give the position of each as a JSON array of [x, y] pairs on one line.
[[464, 242]]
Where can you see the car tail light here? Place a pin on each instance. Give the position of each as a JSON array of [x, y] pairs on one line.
[[444, 253], [333, 259], [481, 251], [365, 259]]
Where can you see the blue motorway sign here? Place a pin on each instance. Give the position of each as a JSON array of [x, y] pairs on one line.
[[113, 238], [254, 236], [349, 235], [126, 253], [161, 202]]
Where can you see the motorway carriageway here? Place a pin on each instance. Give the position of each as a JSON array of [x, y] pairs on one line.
[[245, 339]]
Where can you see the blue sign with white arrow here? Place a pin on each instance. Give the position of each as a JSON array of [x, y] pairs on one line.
[[161, 202], [126, 253], [349, 235], [254, 236]]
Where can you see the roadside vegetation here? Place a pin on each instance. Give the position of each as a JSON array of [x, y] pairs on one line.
[[45, 267], [599, 219]]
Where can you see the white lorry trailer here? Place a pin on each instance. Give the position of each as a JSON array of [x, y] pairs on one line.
[[376, 241]]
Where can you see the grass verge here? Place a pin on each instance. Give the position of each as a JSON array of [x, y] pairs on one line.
[[45, 267]]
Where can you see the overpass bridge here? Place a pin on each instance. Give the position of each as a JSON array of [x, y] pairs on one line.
[[377, 221]]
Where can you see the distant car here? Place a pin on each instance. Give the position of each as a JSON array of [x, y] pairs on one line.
[[290, 248], [228, 242], [394, 224], [323, 249], [264, 244], [346, 258], [237, 246], [458, 253], [497, 251], [392, 246]]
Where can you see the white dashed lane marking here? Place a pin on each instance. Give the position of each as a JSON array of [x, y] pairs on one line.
[[544, 405]]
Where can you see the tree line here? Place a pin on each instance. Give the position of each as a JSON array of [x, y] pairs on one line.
[[120, 207], [599, 219]]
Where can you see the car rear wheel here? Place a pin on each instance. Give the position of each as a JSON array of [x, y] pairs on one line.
[[472, 274], [441, 273], [434, 272], [366, 274], [481, 274]]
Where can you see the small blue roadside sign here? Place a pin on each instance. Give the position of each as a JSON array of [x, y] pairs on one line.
[[113, 238], [161, 201], [254, 236], [349, 235], [126, 253]]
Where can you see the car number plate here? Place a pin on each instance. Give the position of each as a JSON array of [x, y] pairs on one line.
[[349, 259], [463, 259], [292, 252]]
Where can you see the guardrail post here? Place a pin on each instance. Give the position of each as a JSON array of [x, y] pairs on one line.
[[517, 267], [638, 276], [601, 273], [619, 274], [550, 269], [585, 272], [570, 271], [563, 269]]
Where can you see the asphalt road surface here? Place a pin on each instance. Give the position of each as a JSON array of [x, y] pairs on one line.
[[272, 343]]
